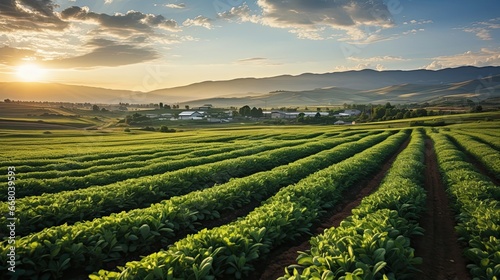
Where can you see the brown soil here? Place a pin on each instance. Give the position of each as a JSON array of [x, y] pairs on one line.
[[438, 247], [280, 258]]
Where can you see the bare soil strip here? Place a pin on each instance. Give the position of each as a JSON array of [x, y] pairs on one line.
[[439, 247], [477, 164], [273, 266]]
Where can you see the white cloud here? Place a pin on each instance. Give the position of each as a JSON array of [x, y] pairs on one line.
[[482, 29], [176, 6], [199, 21], [385, 58], [484, 57], [310, 19], [241, 13], [413, 31], [418, 22]]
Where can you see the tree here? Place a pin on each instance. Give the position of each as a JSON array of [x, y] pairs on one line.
[[245, 111], [300, 117], [187, 107], [95, 108], [260, 113], [161, 105]]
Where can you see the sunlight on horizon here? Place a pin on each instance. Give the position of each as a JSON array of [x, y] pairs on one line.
[[30, 73]]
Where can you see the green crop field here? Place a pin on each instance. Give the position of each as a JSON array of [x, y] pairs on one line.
[[220, 202]]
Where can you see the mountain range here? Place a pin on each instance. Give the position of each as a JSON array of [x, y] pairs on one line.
[[365, 86]]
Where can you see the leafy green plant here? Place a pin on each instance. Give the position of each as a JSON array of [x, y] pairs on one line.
[[285, 216], [476, 201], [374, 242]]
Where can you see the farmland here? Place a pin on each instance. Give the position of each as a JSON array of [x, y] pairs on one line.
[[380, 201]]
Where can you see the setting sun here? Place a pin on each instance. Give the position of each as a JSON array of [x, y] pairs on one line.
[[30, 73]]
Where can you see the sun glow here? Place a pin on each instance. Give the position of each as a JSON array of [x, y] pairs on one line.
[[30, 73]]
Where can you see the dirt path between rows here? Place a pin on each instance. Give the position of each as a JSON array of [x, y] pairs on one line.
[[273, 266], [439, 248]]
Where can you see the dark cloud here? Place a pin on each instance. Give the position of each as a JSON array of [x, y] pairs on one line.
[[34, 15], [106, 53], [13, 56], [121, 24]]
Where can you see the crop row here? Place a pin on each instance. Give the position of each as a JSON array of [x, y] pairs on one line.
[[229, 251], [93, 148], [476, 200], [120, 172], [494, 141], [68, 162], [114, 237], [484, 153], [37, 212], [374, 242], [58, 167]]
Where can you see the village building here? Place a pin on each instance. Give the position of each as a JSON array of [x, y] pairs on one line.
[[191, 115]]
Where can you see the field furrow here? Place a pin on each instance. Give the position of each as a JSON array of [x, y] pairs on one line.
[[476, 201], [177, 214], [231, 250], [38, 212]]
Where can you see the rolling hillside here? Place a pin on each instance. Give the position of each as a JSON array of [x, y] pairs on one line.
[[366, 86], [476, 90]]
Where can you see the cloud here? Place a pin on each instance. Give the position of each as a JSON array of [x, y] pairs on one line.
[[418, 22], [35, 15], [481, 33], [176, 6], [12, 56], [199, 21], [385, 58], [484, 57], [121, 24], [482, 29], [105, 53], [241, 13], [314, 15], [257, 61], [413, 31]]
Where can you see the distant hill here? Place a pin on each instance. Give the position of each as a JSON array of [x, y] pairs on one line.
[[357, 80], [69, 93], [476, 90], [365, 86]]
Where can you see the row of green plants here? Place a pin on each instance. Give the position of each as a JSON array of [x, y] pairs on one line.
[[71, 180], [230, 251], [34, 213], [484, 153], [111, 238], [79, 167], [476, 200], [67, 161], [482, 136], [374, 242], [93, 148]]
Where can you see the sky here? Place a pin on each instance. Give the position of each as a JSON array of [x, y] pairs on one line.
[[151, 44]]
